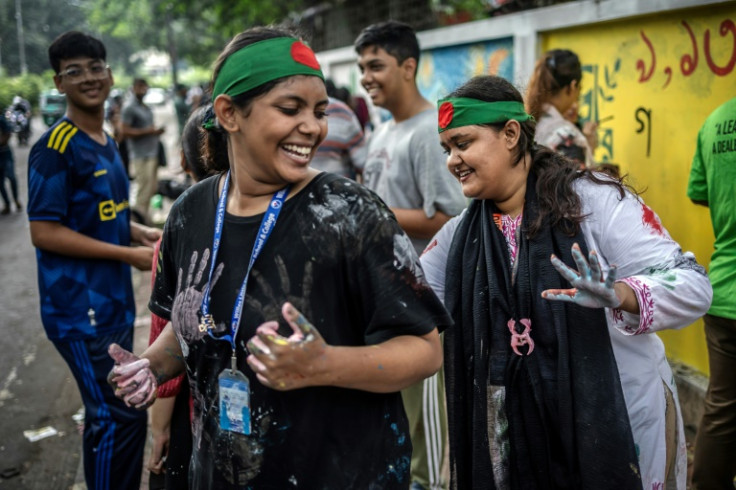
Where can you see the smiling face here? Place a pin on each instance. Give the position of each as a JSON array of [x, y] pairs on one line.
[[383, 77], [481, 158], [275, 138], [88, 91]]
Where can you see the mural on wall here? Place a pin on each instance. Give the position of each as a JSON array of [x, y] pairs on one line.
[[696, 48], [592, 101], [699, 55], [689, 61], [442, 70], [650, 82]]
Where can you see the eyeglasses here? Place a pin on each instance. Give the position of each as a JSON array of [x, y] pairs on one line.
[[76, 74]]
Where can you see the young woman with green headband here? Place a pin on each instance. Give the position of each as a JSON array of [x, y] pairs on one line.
[[298, 306], [557, 279]]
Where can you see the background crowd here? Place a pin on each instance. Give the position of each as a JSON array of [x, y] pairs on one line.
[[335, 322]]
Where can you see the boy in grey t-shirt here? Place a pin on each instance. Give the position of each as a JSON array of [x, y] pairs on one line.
[[405, 165], [406, 168], [143, 146]]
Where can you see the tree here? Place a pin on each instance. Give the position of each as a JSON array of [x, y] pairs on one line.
[[234, 16], [43, 20], [167, 25]]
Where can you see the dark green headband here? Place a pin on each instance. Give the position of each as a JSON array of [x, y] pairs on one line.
[[455, 112], [262, 62]]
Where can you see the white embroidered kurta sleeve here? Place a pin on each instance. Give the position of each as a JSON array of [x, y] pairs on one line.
[[672, 288]]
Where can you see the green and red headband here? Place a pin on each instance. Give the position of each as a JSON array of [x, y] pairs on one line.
[[455, 112], [265, 61]]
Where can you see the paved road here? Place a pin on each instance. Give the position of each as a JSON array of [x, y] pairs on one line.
[[36, 388]]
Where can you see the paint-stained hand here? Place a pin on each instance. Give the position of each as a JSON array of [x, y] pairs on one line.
[[189, 293], [592, 288], [287, 363], [132, 378]]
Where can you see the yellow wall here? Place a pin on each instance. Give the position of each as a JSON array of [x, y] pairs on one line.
[[659, 77]]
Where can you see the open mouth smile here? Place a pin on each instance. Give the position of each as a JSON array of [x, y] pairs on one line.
[[463, 174], [299, 151]]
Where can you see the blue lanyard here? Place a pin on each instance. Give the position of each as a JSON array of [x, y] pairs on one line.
[[267, 224]]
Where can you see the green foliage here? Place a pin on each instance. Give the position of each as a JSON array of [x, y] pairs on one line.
[[234, 17], [194, 75], [123, 81], [190, 31], [197, 41], [194, 30], [27, 86], [43, 21], [122, 20], [461, 10]]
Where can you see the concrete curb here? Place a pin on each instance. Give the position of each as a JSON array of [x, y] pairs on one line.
[[691, 388]]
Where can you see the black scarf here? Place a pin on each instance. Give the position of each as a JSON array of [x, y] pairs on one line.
[[568, 424]]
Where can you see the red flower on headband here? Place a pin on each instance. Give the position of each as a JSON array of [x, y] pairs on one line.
[[446, 113], [301, 53]]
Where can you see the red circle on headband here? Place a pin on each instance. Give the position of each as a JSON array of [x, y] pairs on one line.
[[445, 114], [301, 53]]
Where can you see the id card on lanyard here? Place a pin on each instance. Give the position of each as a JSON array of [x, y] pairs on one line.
[[233, 385], [234, 396]]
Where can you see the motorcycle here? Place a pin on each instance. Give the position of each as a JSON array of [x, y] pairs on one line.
[[20, 124]]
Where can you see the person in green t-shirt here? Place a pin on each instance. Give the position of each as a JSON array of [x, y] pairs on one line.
[[713, 184]]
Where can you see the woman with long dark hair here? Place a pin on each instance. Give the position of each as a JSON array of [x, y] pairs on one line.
[[557, 279], [553, 90]]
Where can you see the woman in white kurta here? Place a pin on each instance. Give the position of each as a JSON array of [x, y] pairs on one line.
[[659, 287], [552, 91]]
